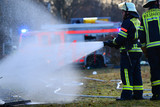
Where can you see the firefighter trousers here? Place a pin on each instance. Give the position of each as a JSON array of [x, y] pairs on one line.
[[131, 75], [153, 54]]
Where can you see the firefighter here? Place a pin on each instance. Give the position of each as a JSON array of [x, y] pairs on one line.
[[130, 53], [150, 39]]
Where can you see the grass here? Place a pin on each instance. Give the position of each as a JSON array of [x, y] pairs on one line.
[[107, 88]]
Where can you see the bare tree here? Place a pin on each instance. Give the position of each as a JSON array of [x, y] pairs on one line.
[[66, 9]]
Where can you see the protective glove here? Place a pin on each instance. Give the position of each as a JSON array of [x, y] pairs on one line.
[[110, 44]]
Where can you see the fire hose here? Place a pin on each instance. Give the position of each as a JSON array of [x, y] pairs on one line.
[[119, 82], [57, 91]]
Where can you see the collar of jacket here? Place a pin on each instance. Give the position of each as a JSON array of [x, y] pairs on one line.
[[129, 17], [134, 14]]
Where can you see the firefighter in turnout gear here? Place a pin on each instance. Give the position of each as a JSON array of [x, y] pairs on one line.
[[150, 39], [130, 53]]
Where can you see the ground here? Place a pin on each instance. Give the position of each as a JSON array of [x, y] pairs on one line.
[[102, 84]]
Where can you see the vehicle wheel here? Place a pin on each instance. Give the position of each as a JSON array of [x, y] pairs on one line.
[[95, 61]]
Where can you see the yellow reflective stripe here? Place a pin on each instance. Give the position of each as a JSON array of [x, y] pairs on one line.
[[136, 35], [135, 50], [152, 19], [123, 34], [126, 76], [153, 44], [141, 28], [159, 23], [147, 30], [146, 26], [154, 83], [134, 45], [140, 87], [127, 87], [122, 47], [136, 23], [143, 44]]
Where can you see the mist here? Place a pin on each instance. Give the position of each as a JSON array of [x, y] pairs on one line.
[[35, 72]]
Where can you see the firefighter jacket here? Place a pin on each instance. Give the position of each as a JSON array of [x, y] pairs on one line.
[[128, 36], [150, 28], [150, 38]]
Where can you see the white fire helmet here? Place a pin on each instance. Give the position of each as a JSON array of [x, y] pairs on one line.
[[127, 6], [146, 5]]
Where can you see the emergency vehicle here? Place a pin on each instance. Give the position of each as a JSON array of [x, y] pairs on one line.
[[82, 32]]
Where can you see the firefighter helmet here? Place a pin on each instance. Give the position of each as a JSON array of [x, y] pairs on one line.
[[147, 4], [127, 6]]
